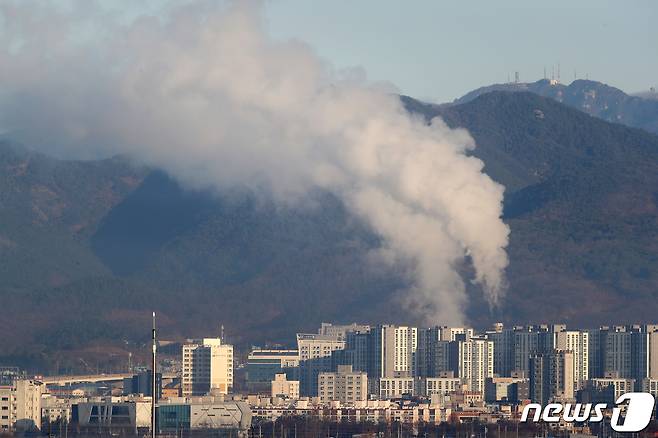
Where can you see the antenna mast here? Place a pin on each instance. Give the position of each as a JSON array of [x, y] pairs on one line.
[[154, 392]]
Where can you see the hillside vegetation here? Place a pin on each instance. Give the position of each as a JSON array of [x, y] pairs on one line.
[[88, 249]]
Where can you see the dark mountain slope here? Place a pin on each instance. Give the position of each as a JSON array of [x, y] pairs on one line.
[[88, 262], [49, 208], [581, 202], [136, 229], [262, 270], [89, 248]]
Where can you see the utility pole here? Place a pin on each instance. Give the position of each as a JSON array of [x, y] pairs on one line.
[[154, 392]]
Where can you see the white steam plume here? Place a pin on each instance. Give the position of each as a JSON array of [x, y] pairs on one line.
[[206, 95]]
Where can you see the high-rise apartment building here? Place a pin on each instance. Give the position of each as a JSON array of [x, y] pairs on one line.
[[532, 340], [207, 367], [628, 352], [652, 331], [473, 361], [357, 351], [595, 367], [578, 343], [432, 356], [503, 340], [551, 376], [425, 351], [616, 352], [393, 351]]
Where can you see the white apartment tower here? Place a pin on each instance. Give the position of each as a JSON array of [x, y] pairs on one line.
[[578, 343], [207, 367], [475, 362], [395, 351]]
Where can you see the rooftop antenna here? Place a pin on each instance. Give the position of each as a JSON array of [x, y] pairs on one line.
[[516, 77], [221, 333], [153, 381], [545, 73], [558, 72]]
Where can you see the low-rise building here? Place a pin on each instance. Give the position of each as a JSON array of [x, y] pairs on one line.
[[650, 386], [396, 387], [282, 387], [345, 385], [372, 411], [142, 383], [7, 410], [439, 386], [20, 405], [264, 364], [171, 390], [511, 389], [617, 385], [56, 409], [204, 413], [115, 414]]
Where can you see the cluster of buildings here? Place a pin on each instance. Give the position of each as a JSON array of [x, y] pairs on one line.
[[192, 400], [458, 368], [356, 372]]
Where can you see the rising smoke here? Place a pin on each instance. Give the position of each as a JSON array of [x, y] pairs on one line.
[[206, 95]]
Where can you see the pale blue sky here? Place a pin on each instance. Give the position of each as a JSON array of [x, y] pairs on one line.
[[439, 50]]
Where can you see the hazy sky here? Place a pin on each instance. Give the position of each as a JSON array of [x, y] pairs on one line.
[[210, 99], [438, 50]]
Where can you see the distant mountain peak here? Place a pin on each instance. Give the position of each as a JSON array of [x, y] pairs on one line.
[[595, 98]]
